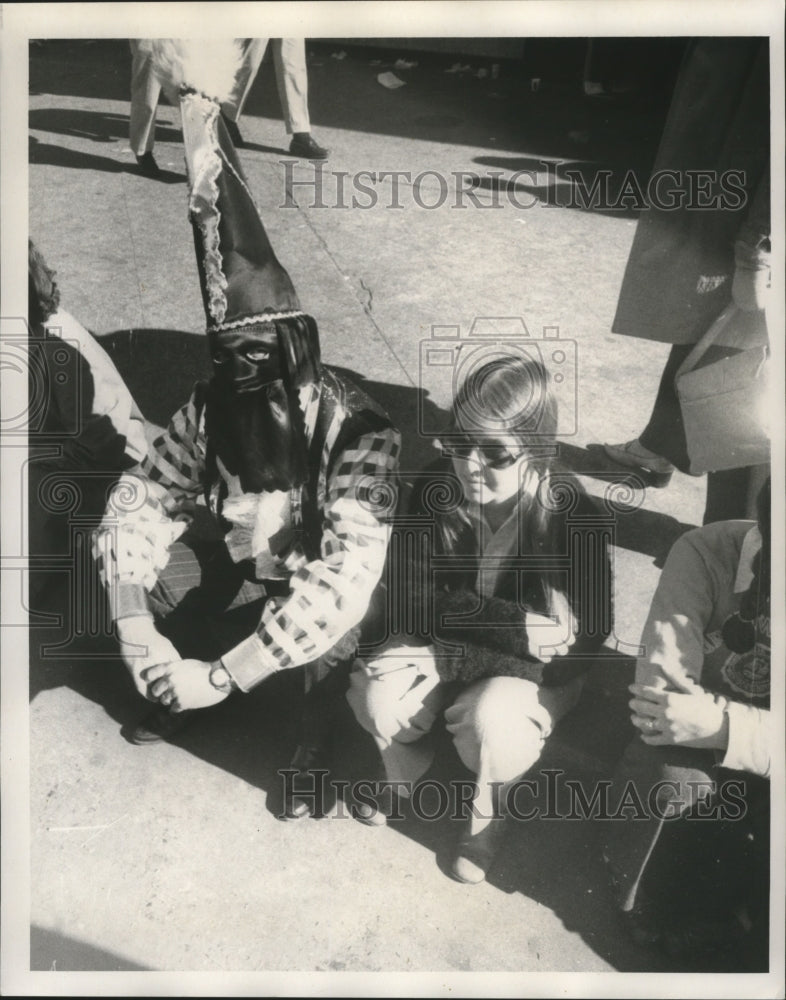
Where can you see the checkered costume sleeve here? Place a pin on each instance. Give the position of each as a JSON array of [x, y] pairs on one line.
[[331, 594], [148, 510]]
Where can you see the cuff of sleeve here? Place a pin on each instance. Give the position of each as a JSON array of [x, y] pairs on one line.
[[130, 599], [249, 663], [745, 725]]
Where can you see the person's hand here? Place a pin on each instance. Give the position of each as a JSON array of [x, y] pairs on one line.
[[143, 646], [419, 659], [689, 716], [547, 638], [183, 685]]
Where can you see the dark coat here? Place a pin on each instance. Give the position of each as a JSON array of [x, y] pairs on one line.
[[492, 635], [679, 273]]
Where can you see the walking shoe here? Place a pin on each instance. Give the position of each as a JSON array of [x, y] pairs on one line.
[[234, 132], [304, 146], [304, 793], [147, 165], [634, 456], [159, 725], [476, 853]]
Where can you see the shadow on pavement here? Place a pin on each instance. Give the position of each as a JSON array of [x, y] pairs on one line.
[[635, 527], [51, 951], [253, 736], [553, 120], [98, 126], [159, 367], [60, 156], [586, 185]]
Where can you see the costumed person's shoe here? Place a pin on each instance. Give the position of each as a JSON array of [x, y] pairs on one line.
[[159, 726], [476, 853], [146, 163], [306, 147], [304, 793], [373, 810], [234, 132], [634, 456], [370, 815]]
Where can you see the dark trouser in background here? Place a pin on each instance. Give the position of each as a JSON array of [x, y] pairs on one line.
[[731, 493], [703, 850], [205, 604]]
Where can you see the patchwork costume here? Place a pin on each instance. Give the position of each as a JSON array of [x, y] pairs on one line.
[[288, 457]]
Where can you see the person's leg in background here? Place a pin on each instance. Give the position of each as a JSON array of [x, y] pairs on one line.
[[232, 108], [661, 446], [289, 59], [145, 91]]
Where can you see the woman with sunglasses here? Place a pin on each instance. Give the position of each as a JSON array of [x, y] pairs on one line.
[[517, 594]]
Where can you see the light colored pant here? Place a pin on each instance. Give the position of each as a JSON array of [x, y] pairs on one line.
[[499, 725], [289, 59], [145, 91]]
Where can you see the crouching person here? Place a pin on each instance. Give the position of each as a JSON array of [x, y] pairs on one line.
[[518, 611], [289, 458], [689, 856], [80, 403]]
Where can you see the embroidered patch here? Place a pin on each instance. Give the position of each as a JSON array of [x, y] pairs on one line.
[[749, 673]]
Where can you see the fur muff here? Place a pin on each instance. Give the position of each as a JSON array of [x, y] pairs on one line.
[[498, 624]]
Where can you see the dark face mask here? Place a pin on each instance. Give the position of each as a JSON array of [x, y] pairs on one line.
[[253, 417]]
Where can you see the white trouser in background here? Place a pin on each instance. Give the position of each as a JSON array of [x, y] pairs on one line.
[[145, 91], [289, 59]]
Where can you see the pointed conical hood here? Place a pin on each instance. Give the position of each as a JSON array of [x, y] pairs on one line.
[[242, 280]]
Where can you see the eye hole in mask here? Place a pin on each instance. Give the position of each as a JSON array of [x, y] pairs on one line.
[[255, 355], [258, 355]]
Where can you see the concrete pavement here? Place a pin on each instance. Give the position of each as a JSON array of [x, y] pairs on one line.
[[170, 858]]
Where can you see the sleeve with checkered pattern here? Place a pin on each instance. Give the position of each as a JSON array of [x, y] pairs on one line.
[[148, 510], [331, 594]]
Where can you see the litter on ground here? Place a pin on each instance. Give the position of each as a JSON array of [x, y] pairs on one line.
[[390, 80]]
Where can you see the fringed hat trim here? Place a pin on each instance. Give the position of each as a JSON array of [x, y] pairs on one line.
[[265, 317]]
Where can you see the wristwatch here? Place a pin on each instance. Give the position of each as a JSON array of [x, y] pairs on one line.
[[220, 679]]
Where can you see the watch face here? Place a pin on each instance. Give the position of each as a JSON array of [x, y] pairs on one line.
[[220, 679]]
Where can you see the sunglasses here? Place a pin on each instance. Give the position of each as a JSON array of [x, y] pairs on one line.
[[493, 456]]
